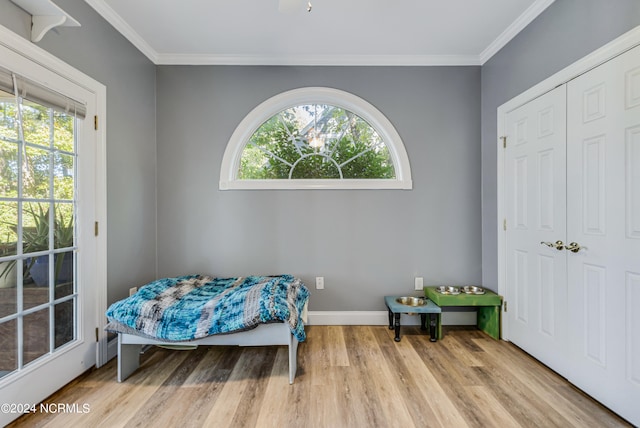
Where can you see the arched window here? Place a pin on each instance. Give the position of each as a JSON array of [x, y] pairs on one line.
[[315, 138]]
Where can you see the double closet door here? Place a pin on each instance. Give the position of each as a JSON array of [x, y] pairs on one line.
[[572, 205]]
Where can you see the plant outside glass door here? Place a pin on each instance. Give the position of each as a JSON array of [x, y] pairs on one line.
[[38, 291]]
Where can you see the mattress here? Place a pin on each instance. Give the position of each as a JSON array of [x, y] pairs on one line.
[[190, 307]]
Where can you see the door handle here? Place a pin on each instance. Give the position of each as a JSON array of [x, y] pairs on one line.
[[558, 245], [574, 247]]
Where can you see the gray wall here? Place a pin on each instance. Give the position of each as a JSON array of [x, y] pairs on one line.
[[366, 243], [567, 31], [102, 53], [14, 18]]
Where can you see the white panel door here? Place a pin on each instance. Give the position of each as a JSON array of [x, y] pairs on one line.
[[603, 209], [535, 208]]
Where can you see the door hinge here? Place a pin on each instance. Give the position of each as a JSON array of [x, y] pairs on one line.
[[95, 122], [505, 305], [504, 142], [95, 228], [96, 334], [504, 224]]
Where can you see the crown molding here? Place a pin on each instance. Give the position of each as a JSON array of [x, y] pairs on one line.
[[157, 58], [123, 28], [514, 29], [318, 60]]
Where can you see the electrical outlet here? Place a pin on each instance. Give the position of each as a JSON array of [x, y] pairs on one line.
[[419, 284], [133, 290], [319, 282]]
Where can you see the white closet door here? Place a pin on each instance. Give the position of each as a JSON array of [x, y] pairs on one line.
[[603, 208], [535, 207]]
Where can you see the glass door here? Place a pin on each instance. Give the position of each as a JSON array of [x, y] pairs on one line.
[[37, 230], [47, 245]]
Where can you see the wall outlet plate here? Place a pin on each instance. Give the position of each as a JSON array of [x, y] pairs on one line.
[[319, 282], [419, 283]]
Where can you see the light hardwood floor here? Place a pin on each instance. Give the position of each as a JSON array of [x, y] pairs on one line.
[[348, 376]]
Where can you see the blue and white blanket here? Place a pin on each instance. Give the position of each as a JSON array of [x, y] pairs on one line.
[[195, 306]]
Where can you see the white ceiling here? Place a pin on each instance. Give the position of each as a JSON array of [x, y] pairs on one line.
[[335, 32]]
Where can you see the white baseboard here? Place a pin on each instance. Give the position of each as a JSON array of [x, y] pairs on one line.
[[382, 318]]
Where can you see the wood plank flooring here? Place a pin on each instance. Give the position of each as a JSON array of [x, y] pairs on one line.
[[348, 376]]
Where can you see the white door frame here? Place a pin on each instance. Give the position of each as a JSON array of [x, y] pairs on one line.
[[31, 52], [612, 49]]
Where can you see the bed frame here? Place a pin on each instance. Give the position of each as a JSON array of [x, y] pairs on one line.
[[130, 345]]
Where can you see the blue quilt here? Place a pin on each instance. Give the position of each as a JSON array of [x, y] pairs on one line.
[[195, 306]]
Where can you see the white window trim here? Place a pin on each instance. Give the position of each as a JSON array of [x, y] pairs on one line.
[[314, 95]]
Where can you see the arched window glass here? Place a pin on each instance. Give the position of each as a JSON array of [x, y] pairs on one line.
[[315, 138]]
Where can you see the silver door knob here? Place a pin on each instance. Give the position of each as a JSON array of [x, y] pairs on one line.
[[558, 245]]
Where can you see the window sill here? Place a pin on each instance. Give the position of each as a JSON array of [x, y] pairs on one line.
[[315, 184]]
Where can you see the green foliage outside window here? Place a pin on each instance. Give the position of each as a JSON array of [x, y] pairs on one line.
[[315, 142], [47, 159]]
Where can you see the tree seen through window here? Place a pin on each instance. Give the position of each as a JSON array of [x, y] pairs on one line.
[[41, 153], [315, 141]]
